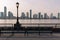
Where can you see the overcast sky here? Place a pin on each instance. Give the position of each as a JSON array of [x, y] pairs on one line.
[[43, 6]]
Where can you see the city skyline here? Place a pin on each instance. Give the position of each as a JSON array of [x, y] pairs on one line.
[[43, 6], [27, 15]]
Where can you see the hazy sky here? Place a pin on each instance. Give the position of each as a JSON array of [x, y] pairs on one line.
[[43, 6]]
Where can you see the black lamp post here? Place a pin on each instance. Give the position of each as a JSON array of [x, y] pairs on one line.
[[17, 25], [17, 5]]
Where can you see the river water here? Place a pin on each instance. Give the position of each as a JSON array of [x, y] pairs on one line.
[[30, 21], [13, 21]]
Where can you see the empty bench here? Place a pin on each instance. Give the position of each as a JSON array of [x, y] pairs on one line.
[[39, 30]]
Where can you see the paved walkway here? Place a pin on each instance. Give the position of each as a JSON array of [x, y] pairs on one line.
[[43, 36]]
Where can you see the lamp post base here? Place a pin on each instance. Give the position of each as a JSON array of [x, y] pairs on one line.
[[17, 26]]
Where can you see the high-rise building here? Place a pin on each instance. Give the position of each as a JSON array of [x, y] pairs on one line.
[[30, 13], [35, 16], [45, 15], [23, 15], [5, 12], [51, 16], [10, 14], [39, 15], [58, 15], [27, 15], [1, 14]]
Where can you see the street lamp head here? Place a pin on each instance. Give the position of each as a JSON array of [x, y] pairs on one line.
[[17, 4]]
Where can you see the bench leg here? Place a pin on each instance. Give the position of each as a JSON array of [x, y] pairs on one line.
[[39, 33], [51, 33], [0, 33], [27, 33], [12, 34]]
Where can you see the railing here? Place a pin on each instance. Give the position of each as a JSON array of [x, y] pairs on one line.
[[32, 25], [54, 25]]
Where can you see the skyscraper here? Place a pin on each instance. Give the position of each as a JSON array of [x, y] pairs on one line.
[[30, 13], [45, 15], [5, 12], [39, 15], [23, 15], [35, 16], [27, 15], [1, 14], [58, 15], [51, 16], [10, 14]]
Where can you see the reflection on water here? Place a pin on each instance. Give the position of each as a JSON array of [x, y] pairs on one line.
[[13, 21], [31, 21]]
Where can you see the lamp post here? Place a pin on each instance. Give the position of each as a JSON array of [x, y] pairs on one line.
[[17, 5], [17, 26]]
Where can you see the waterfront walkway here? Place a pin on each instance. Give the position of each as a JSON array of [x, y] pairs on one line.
[[36, 28]]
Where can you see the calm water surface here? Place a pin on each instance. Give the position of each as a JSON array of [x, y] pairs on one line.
[[13, 21], [30, 21]]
